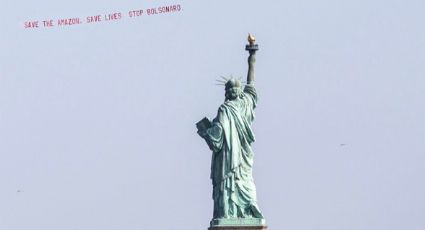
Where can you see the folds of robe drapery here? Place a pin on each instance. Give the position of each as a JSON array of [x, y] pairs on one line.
[[230, 139]]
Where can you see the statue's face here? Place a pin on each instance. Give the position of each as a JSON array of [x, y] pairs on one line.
[[232, 93]]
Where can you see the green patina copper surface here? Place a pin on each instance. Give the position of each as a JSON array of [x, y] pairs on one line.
[[229, 136]]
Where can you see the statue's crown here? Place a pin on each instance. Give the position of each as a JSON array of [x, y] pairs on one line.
[[232, 83]]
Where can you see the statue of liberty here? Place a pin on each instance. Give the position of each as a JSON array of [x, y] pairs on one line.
[[229, 136]]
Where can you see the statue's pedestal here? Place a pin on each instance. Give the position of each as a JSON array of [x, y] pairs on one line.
[[238, 224], [238, 228]]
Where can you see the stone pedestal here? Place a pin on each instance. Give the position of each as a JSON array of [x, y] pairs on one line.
[[238, 224], [238, 228]]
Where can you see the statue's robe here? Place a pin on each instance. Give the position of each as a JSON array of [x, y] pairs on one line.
[[230, 138]]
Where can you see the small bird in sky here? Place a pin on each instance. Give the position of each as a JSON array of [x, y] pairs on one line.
[[341, 145]]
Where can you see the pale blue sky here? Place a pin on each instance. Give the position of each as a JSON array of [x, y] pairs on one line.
[[97, 121]]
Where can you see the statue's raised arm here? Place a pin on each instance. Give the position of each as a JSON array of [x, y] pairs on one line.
[[252, 48]]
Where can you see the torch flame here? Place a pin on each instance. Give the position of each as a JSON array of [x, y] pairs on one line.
[[251, 39]]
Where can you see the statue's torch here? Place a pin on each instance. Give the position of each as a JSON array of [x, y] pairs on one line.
[[251, 47]]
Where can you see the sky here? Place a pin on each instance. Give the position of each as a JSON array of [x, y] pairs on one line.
[[97, 120]]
